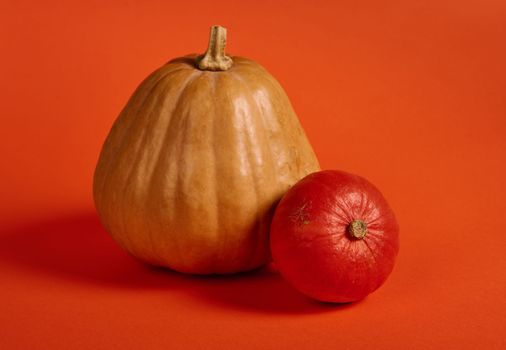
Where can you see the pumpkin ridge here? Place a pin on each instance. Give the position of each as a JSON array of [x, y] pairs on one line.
[[367, 210], [134, 164], [163, 96], [181, 144], [280, 134], [132, 113], [361, 205], [341, 205], [150, 120], [342, 213], [377, 236], [373, 222], [260, 228], [185, 81], [366, 243], [158, 162], [106, 166], [256, 229], [106, 170], [215, 169], [117, 156], [375, 283], [279, 93]]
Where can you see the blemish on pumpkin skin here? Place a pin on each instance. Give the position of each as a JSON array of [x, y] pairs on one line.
[[301, 216]]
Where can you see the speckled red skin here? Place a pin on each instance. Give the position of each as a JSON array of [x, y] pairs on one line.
[[312, 247]]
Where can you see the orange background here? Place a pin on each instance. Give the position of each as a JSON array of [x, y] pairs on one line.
[[409, 94]]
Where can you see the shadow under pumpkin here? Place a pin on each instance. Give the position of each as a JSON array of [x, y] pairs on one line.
[[78, 249]]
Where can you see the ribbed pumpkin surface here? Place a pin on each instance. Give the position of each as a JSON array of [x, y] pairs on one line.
[[193, 166]]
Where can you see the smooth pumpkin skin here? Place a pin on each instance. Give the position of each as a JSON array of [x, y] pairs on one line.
[[312, 247], [192, 168]]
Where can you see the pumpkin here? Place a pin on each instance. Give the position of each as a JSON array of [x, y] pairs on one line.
[[334, 237], [192, 168]]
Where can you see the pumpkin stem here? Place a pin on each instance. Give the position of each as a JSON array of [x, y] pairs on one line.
[[357, 229], [215, 59]]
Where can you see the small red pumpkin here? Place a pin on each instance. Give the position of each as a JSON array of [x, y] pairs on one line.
[[334, 237]]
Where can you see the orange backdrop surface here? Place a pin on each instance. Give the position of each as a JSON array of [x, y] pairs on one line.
[[409, 94]]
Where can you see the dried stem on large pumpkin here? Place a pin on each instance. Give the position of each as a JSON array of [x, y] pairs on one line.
[[215, 59]]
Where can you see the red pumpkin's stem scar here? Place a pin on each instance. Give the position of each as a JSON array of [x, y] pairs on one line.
[[357, 229], [215, 59]]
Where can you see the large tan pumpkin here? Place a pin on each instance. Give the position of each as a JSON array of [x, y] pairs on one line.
[[195, 163]]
